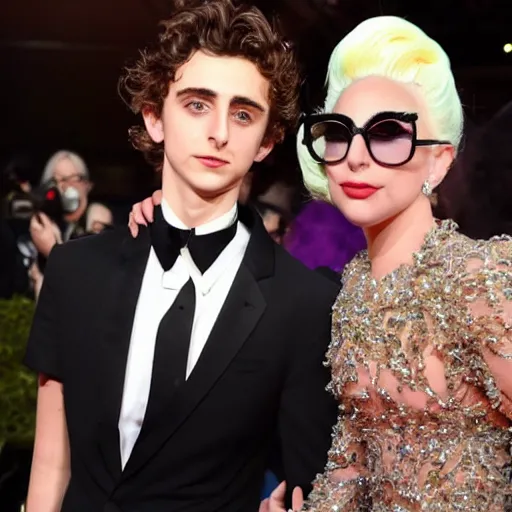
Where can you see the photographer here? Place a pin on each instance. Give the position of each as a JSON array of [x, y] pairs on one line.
[[69, 173], [16, 249]]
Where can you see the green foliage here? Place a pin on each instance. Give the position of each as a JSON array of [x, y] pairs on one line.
[[18, 385]]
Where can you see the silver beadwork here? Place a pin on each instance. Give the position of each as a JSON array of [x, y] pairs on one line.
[[423, 425]]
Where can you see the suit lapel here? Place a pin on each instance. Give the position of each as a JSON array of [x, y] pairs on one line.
[[240, 314], [120, 303]]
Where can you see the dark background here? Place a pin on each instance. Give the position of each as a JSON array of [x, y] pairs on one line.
[[60, 61]]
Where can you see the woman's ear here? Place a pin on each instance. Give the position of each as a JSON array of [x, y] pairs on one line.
[[442, 161]]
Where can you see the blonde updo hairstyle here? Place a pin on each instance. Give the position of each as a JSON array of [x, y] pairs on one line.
[[394, 48]]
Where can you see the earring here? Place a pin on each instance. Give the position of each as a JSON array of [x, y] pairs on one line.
[[426, 188]]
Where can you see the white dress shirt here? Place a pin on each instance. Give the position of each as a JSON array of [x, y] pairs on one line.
[[158, 291]]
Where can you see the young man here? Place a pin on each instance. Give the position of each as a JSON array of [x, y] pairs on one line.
[[174, 362]]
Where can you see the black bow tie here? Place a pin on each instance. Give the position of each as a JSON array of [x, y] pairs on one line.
[[167, 241]]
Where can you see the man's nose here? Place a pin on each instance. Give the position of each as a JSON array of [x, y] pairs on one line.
[[219, 129]]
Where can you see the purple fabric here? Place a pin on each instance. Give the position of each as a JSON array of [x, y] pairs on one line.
[[320, 236]]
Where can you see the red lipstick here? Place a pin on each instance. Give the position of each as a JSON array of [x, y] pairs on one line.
[[355, 190]]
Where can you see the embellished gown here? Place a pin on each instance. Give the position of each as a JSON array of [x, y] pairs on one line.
[[423, 424]]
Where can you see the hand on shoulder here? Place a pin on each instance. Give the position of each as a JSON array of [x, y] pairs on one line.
[[142, 212]]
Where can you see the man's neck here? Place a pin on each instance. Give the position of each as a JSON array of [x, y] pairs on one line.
[[190, 207], [393, 242]]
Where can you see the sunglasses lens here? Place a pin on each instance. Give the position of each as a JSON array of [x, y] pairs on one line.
[[330, 140], [391, 141]]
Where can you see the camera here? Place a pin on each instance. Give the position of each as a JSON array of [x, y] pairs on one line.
[[46, 199], [21, 202]]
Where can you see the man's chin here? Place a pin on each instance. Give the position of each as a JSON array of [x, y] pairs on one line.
[[216, 189]]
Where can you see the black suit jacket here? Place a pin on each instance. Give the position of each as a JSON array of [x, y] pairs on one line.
[[260, 376]]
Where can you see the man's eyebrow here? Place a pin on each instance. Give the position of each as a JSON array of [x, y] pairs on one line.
[[199, 91], [208, 93], [247, 102]]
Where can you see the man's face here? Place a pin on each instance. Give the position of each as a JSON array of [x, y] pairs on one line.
[[213, 123], [67, 175]]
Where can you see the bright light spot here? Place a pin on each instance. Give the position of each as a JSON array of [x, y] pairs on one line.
[[507, 48]]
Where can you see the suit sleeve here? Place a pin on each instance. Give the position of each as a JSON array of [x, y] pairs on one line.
[[308, 412], [43, 353]]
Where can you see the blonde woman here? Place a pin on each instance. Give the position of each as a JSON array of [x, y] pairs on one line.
[[421, 337]]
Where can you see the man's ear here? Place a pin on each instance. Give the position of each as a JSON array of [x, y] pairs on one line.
[[441, 163], [154, 125], [263, 152]]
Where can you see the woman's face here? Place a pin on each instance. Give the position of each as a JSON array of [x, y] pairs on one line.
[[367, 192]]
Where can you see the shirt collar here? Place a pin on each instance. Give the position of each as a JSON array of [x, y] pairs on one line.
[[222, 222]]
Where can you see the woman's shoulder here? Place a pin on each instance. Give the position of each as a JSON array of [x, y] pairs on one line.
[[473, 254]]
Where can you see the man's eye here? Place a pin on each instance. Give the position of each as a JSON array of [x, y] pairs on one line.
[[243, 116], [196, 106]]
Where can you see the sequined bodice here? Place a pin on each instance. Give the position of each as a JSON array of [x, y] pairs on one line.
[[423, 424]]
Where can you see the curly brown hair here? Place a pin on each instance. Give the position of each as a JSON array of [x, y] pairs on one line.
[[221, 28]]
